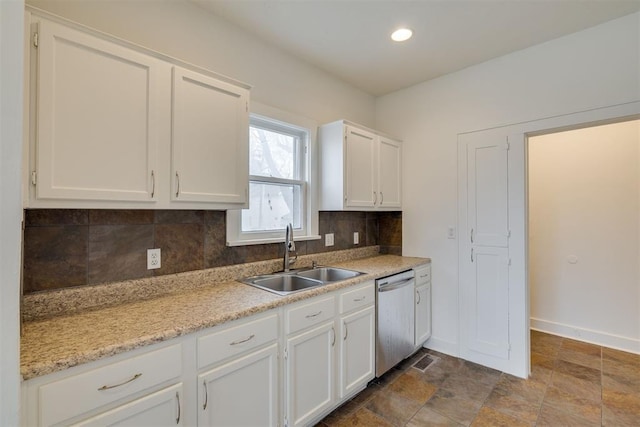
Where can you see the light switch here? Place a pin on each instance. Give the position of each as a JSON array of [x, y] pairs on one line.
[[451, 233], [356, 238]]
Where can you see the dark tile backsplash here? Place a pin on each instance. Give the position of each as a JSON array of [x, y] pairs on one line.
[[75, 247]]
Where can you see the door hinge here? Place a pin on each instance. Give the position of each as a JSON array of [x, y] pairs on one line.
[[35, 39], [508, 233], [34, 177], [509, 262], [285, 353], [507, 146]]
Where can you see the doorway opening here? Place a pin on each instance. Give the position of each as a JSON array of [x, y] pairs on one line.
[[584, 234]]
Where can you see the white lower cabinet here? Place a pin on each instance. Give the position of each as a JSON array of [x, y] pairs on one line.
[[422, 305], [143, 388], [289, 366], [357, 361], [310, 369], [329, 353], [242, 392], [159, 409], [238, 376]]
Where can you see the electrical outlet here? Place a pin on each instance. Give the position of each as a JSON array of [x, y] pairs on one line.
[[328, 239], [153, 259], [451, 233], [356, 238]]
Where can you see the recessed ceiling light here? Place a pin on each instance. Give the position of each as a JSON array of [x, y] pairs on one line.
[[401, 34]]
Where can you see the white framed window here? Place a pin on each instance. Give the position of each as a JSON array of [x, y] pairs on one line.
[[282, 171]]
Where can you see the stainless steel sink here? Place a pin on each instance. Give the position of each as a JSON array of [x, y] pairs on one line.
[[329, 274], [289, 282], [282, 284]]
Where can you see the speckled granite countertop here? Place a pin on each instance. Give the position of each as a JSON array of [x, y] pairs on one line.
[[56, 343]]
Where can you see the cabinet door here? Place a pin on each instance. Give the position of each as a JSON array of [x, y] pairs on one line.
[[357, 351], [389, 173], [360, 186], [97, 118], [423, 314], [310, 373], [243, 392], [210, 139], [163, 408]]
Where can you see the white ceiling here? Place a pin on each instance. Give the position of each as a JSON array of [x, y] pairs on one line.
[[350, 38]]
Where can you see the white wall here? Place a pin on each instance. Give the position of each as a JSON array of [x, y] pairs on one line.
[[584, 225], [11, 33], [594, 68], [187, 32]]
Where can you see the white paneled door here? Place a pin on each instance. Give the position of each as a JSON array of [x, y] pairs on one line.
[[484, 248]]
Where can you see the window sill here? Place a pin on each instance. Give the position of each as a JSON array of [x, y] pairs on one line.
[[248, 242]]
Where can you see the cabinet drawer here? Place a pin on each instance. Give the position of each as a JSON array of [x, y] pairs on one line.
[[231, 341], [423, 274], [309, 314], [67, 398], [361, 297]]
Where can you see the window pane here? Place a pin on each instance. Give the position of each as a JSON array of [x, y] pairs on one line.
[[272, 154], [272, 207]]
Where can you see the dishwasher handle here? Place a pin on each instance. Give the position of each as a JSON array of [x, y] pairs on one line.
[[394, 285]]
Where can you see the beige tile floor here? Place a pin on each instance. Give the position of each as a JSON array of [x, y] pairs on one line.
[[572, 384]]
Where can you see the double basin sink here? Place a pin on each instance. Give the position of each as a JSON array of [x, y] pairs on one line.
[[286, 283]]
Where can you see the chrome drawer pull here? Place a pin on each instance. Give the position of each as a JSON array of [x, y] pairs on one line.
[[244, 340], [309, 316], [108, 387], [359, 299]]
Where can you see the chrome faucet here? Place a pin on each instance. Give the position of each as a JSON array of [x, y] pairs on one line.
[[289, 246]]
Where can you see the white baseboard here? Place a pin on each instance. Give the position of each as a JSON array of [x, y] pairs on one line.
[[446, 347], [594, 337]]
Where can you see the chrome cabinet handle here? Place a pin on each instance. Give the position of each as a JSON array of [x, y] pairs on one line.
[[206, 395], [418, 293], [333, 343], [153, 184], [346, 331], [472, 235], [244, 340], [359, 299], [177, 184], [381, 198], [178, 399], [471, 254], [309, 316], [375, 198], [109, 387]]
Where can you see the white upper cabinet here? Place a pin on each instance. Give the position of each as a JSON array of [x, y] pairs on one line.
[[389, 170], [209, 118], [360, 169], [97, 128], [113, 125]]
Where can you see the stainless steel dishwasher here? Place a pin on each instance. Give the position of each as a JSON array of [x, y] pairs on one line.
[[394, 320]]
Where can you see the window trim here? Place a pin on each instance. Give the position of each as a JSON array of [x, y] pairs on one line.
[[309, 230]]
